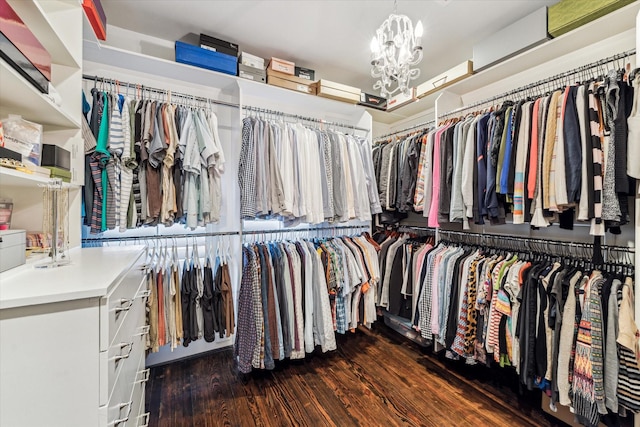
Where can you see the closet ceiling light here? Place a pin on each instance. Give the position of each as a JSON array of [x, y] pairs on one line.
[[394, 50]]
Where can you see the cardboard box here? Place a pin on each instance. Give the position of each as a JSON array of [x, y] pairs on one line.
[[518, 37], [445, 79], [59, 173], [13, 249], [568, 15], [203, 58], [373, 101], [97, 18], [251, 60], [400, 100], [287, 81], [218, 45], [251, 73], [338, 91], [282, 66], [305, 73]]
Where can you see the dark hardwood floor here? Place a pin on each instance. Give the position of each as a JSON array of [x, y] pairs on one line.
[[375, 378]]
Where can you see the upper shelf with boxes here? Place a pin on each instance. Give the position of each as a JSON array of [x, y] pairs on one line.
[[225, 57]]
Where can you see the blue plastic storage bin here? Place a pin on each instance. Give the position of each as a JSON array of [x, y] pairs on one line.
[[203, 58]]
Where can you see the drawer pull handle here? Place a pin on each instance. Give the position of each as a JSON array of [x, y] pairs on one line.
[[122, 355], [144, 418], [145, 375], [144, 331], [126, 418], [125, 305], [144, 294]]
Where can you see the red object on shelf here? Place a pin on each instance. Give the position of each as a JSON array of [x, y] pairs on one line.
[[16, 32], [97, 18]]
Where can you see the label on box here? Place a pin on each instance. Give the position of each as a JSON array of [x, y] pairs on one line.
[[252, 63], [211, 48], [280, 67], [247, 76], [303, 88]]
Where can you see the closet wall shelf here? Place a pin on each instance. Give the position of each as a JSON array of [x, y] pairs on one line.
[[14, 178], [46, 19], [147, 64], [18, 96], [612, 25], [138, 62]]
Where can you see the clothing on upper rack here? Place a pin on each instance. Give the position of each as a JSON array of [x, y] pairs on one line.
[[188, 302], [154, 163], [397, 163], [566, 326], [295, 296], [300, 174], [551, 159]]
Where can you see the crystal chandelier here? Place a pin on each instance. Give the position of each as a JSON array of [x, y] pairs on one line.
[[394, 49]]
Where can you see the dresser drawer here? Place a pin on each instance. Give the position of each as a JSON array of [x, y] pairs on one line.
[[115, 307], [137, 418], [122, 357], [122, 400]]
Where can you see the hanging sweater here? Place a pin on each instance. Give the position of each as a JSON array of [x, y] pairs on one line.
[[584, 400]]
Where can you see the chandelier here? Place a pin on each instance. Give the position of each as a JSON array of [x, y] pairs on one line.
[[394, 49]]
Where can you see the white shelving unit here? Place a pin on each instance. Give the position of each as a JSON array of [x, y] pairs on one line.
[[121, 64], [58, 26]]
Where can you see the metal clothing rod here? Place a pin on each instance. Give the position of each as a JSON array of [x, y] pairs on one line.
[[300, 230], [419, 125], [485, 236], [166, 92], [307, 119], [158, 237], [542, 82]]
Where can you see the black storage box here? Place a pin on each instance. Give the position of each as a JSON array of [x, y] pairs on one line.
[[52, 155], [5, 153], [373, 101], [10, 53], [305, 73], [217, 45]]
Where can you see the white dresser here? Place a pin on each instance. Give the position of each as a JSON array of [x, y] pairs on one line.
[[72, 342]]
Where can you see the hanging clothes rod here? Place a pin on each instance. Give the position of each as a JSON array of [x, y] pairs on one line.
[[307, 119], [483, 237], [398, 132], [542, 82], [167, 93], [159, 237], [304, 230]]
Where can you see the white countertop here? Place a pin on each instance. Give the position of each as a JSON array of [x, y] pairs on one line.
[[92, 273]]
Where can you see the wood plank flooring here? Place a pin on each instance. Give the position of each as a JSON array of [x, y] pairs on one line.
[[375, 378]]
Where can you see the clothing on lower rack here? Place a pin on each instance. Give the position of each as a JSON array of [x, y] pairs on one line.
[[185, 306], [566, 326], [295, 296]]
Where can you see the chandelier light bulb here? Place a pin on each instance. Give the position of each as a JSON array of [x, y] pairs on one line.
[[375, 47], [419, 30]]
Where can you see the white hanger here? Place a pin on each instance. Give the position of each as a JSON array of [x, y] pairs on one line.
[[195, 254], [174, 257], [186, 255]]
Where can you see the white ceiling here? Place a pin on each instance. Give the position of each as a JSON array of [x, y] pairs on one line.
[[330, 36]]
